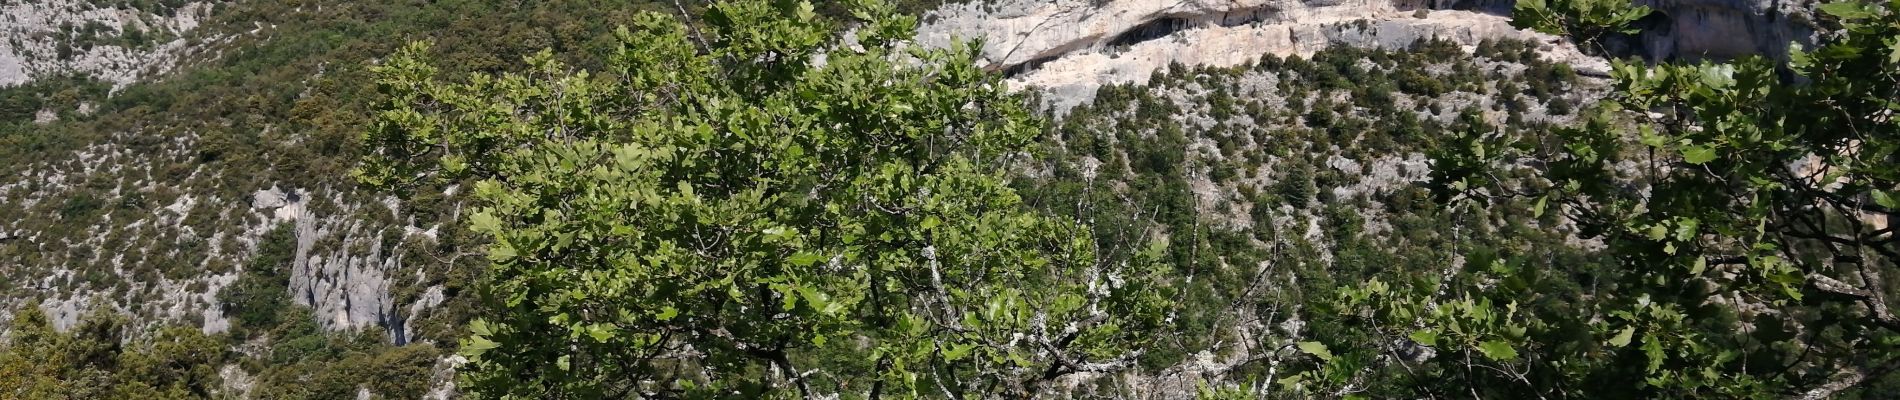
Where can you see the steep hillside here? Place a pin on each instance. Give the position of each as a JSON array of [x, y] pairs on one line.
[[1283, 181], [188, 164], [118, 42], [157, 192], [176, 176]]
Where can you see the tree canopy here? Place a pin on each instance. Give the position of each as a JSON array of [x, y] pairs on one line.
[[764, 205], [1749, 204], [771, 205]]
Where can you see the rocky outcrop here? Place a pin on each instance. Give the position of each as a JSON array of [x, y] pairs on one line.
[[139, 223], [1071, 47], [1691, 30], [118, 45], [1723, 29], [347, 285], [168, 236]]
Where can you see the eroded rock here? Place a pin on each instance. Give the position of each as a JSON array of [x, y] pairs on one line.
[[1070, 47]]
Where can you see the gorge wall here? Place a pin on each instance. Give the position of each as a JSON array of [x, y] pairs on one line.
[[1071, 47], [1724, 29]]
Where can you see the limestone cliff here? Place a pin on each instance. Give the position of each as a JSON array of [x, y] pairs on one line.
[[1070, 47], [1724, 29], [118, 45]]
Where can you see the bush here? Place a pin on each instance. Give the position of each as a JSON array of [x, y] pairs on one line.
[[1296, 188], [258, 299]]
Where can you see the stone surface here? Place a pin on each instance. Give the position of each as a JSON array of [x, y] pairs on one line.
[[1070, 47], [32, 29], [1725, 29]]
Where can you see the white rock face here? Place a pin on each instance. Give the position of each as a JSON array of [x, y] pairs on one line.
[[236, 382], [1071, 47], [1695, 29], [431, 297], [348, 290], [444, 378], [30, 41], [191, 238], [269, 199]]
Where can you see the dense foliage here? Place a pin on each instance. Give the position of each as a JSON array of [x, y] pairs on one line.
[[1748, 205], [776, 199], [277, 346], [760, 206], [97, 360], [1317, 265]]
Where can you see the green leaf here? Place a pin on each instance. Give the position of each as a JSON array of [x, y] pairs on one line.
[[1537, 210], [667, 313], [818, 300], [1650, 138], [805, 11], [1698, 154], [501, 251], [686, 189], [1658, 231], [957, 351], [476, 345], [1623, 338], [1497, 350], [778, 234], [1157, 246], [1799, 58], [1295, 379], [484, 222], [1718, 76], [805, 259], [1425, 337], [1317, 349], [1893, 51], [1653, 349], [1848, 10], [1885, 199], [788, 294], [600, 333], [1686, 229]]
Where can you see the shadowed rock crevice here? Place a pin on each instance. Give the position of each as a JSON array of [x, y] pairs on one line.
[[1028, 66], [1150, 30]]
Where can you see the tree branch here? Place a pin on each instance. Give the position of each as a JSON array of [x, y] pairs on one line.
[[1881, 314], [1848, 379]]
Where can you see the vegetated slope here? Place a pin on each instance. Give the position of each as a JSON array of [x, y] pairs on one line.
[[1296, 196], [115, 41], [163, 179], [217, 196], [1276, 186], [188, 166]]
